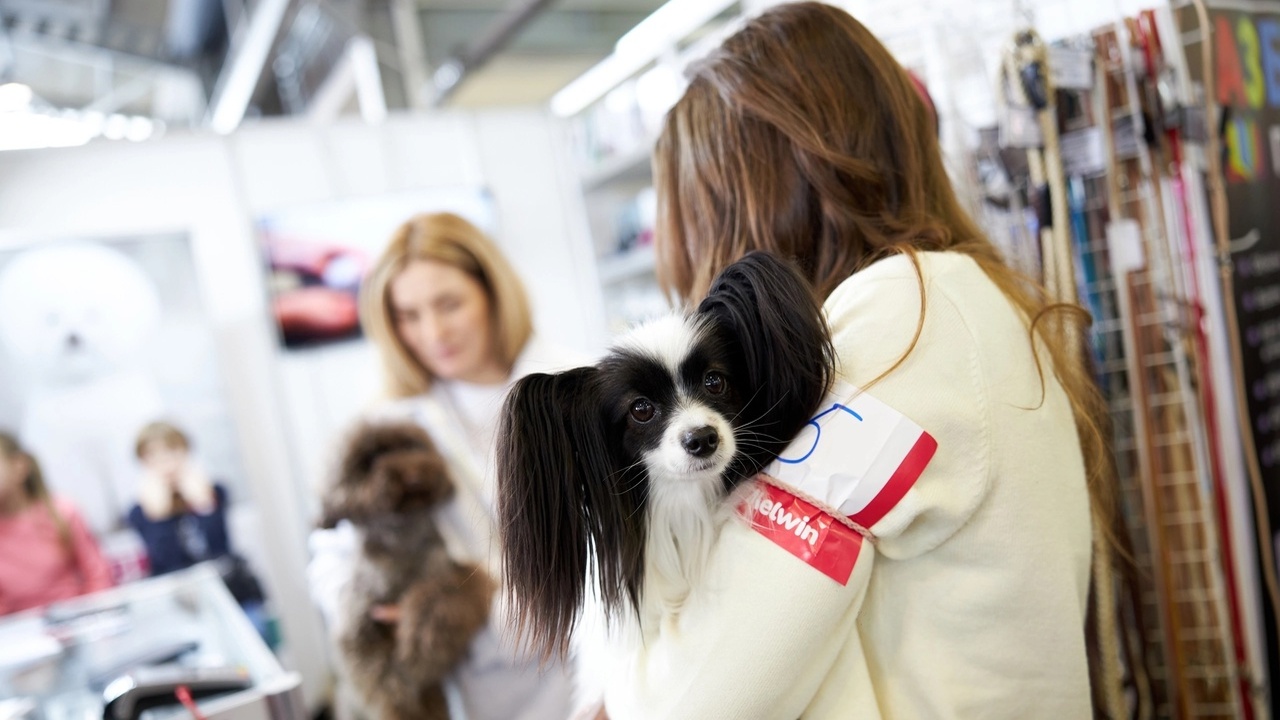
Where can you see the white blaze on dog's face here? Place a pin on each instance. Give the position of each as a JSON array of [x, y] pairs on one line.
[[674, 392], [75, 310]]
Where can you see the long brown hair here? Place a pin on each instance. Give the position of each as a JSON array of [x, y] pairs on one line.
[[34, 487], [451, 240], [803, 136]]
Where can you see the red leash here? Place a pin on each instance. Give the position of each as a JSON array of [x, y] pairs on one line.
[[184, 697]]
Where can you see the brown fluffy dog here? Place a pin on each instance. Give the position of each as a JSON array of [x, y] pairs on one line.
[[391, 477]]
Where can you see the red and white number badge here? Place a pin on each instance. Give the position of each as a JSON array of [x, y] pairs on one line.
[[857, 457]]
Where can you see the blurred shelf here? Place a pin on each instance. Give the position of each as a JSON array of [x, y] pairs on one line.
[[625, 265], [629, 166]]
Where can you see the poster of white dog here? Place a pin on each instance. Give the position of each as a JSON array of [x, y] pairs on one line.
[[97, 338]]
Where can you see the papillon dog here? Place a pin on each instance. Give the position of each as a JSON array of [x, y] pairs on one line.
[[613, 479]]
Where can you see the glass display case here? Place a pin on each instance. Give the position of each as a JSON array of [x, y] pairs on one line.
[[129, 653]]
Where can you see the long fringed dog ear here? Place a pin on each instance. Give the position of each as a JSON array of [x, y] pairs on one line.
[[770, 311], [556, 507]]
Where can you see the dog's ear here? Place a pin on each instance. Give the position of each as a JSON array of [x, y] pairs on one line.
[[558, 512], [412, 479], [766, 308]]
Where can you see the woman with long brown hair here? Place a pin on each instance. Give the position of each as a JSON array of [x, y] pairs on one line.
[[971, 592], [46, 551]]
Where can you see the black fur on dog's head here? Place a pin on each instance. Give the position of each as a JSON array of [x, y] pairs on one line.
[[678, 413], [386, 469]]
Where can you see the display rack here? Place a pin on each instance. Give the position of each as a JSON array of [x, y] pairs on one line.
[[614, 137], [1124, 207], [1163, 442]]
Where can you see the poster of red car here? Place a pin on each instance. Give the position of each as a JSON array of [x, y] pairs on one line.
[[317, 256]]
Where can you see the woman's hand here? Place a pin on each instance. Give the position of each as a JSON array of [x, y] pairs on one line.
[[387, 614]]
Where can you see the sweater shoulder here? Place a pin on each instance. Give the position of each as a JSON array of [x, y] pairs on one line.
[[907, 333]]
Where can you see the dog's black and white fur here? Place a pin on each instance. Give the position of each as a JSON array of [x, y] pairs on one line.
[[612, 478]]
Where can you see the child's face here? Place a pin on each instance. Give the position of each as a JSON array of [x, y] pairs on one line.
[[164, 459]]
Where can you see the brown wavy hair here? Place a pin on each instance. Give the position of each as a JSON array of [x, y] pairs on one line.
[[452, 240], [35, 489], [803, 136]]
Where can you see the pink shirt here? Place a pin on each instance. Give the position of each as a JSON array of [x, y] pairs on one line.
[[35, 568]]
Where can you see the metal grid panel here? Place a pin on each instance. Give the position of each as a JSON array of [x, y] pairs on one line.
[[1164, 467]]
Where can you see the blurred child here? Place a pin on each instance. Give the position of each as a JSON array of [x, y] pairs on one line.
[[181, 513], [46, 551], [181, 516]]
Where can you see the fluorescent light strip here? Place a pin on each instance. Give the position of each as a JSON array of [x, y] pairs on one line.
[[655, 34], [594, 83], [669, 24]]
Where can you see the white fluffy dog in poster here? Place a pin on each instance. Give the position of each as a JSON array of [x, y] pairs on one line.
[[76, 318]]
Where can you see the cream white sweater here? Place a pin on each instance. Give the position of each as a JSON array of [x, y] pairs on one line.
[[970, 602]]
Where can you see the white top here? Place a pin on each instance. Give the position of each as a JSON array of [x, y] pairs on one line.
[[970, 600], [462, 419]]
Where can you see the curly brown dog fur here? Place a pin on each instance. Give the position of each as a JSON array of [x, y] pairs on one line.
[[390, 479]]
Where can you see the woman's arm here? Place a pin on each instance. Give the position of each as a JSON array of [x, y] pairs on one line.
[[333, 557], [756, 641], [214, 524]]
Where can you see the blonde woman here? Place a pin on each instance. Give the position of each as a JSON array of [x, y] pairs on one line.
[[452, 325], [46, 551]]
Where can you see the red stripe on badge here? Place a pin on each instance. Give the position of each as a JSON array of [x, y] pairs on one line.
[[899, 483], [811, 534]]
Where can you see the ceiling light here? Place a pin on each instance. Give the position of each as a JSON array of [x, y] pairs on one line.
[[15, 97], [29, 131], [595, 82], [94, 120], [115, 127], [668, 25], [656, 34], [139, 129], [657, 90]]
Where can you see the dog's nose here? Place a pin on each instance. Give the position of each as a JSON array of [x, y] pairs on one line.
[[701, 442]]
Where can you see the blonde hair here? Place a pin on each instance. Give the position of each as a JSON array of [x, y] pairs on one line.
[[167, 433], [34, 487], [451, 240]]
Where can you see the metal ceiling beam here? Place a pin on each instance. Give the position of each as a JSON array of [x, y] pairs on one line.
[[412, 55], [244, 65], [355, 73], [452, 72]]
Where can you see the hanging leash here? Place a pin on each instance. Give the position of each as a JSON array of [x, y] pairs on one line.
[[1222, 237], [183, 694]]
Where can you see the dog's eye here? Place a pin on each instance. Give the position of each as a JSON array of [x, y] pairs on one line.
[[642, 410], [715, 383]]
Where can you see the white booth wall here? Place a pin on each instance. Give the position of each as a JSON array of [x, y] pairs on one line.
[[290, 407]]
